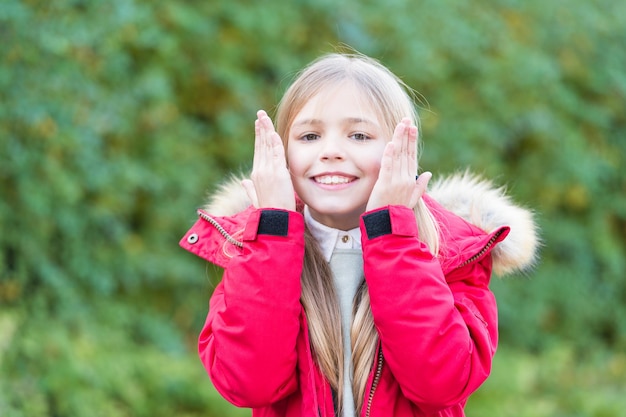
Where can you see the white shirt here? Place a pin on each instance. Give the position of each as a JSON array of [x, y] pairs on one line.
[[342, 249], [330, 239]]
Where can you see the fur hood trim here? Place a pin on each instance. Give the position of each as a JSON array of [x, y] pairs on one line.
[[487, 207], [470, 197]]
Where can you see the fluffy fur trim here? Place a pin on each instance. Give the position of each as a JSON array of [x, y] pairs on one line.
[[230, 198], [468, 196], [478, 202]]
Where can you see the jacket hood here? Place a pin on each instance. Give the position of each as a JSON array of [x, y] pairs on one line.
[[468, 196], [487, 207]]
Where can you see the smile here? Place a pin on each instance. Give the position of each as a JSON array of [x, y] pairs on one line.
[[332, 179]]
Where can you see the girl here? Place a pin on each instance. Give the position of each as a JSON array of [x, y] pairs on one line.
[[347, 290]]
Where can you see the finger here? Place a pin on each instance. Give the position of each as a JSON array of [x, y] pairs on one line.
[[422, 181], [273, 148], [262, 118], [397, 138], [405, 137], [272, 142], [258, 146], [421, 184], [261, 145], [412, 150], [400, 146], [266, 123], [248, 185], [278, 149], [387, 161], [396, 142], [404, 155], [409, 148]]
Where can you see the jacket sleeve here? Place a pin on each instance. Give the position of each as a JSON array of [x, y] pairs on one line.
[[248, 343], [438, 338]]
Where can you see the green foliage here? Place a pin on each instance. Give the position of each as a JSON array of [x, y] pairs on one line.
[[116, 117], [117, 363], [558, 383]]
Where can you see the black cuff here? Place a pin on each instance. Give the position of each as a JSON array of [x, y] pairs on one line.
[[274, 222], [377, 223]]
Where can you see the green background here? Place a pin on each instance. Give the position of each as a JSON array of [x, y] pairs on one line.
[[118, 117]]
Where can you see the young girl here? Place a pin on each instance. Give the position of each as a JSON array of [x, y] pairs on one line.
[[348, 291]]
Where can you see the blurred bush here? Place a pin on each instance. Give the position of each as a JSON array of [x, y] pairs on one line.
[[117, 117]]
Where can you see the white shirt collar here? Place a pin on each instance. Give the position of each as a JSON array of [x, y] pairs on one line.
[[328, 238]]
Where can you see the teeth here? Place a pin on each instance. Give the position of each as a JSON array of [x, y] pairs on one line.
[[332, 179]]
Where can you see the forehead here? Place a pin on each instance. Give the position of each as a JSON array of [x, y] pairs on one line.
[[345, 98]]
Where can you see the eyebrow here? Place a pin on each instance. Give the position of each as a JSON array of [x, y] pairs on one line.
[[348, 120]]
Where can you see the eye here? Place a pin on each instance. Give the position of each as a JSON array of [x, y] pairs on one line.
[[309, 137], [360, 136]]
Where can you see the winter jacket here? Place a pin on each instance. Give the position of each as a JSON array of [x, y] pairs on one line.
[[436, 317]]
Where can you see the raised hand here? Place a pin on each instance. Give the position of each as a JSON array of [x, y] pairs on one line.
[[397, 183], [270, 184]]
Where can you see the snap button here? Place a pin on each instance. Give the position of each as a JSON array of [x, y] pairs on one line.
[[345, 238], [192, 238]]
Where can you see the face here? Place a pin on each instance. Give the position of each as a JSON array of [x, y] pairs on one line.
[[334, 152]]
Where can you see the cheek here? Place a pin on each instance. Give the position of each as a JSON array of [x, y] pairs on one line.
[[294, 163], [372, 163], [289, 154], [374, 171]]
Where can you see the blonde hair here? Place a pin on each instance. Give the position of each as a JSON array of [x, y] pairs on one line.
[[392, 99]]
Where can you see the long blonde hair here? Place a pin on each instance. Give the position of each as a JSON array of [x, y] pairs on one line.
[[392, 99]]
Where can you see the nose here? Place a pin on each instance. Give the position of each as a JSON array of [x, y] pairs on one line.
[[332, 149]]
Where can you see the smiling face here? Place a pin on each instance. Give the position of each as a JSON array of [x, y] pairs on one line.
[[335, 146]]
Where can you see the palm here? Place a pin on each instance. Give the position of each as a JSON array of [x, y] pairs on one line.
[[396, 183], [270, 185]]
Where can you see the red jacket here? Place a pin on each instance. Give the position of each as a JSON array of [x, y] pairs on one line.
[[436, 317]]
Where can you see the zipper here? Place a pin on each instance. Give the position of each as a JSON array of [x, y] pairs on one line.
[[379, 371], [484, 249], [220, 229]]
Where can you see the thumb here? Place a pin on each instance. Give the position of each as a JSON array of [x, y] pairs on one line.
[[248, 185], [421, 184], [422, 181]]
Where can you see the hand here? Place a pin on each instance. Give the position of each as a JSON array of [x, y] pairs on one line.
[[396, 183], [270, 184]]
